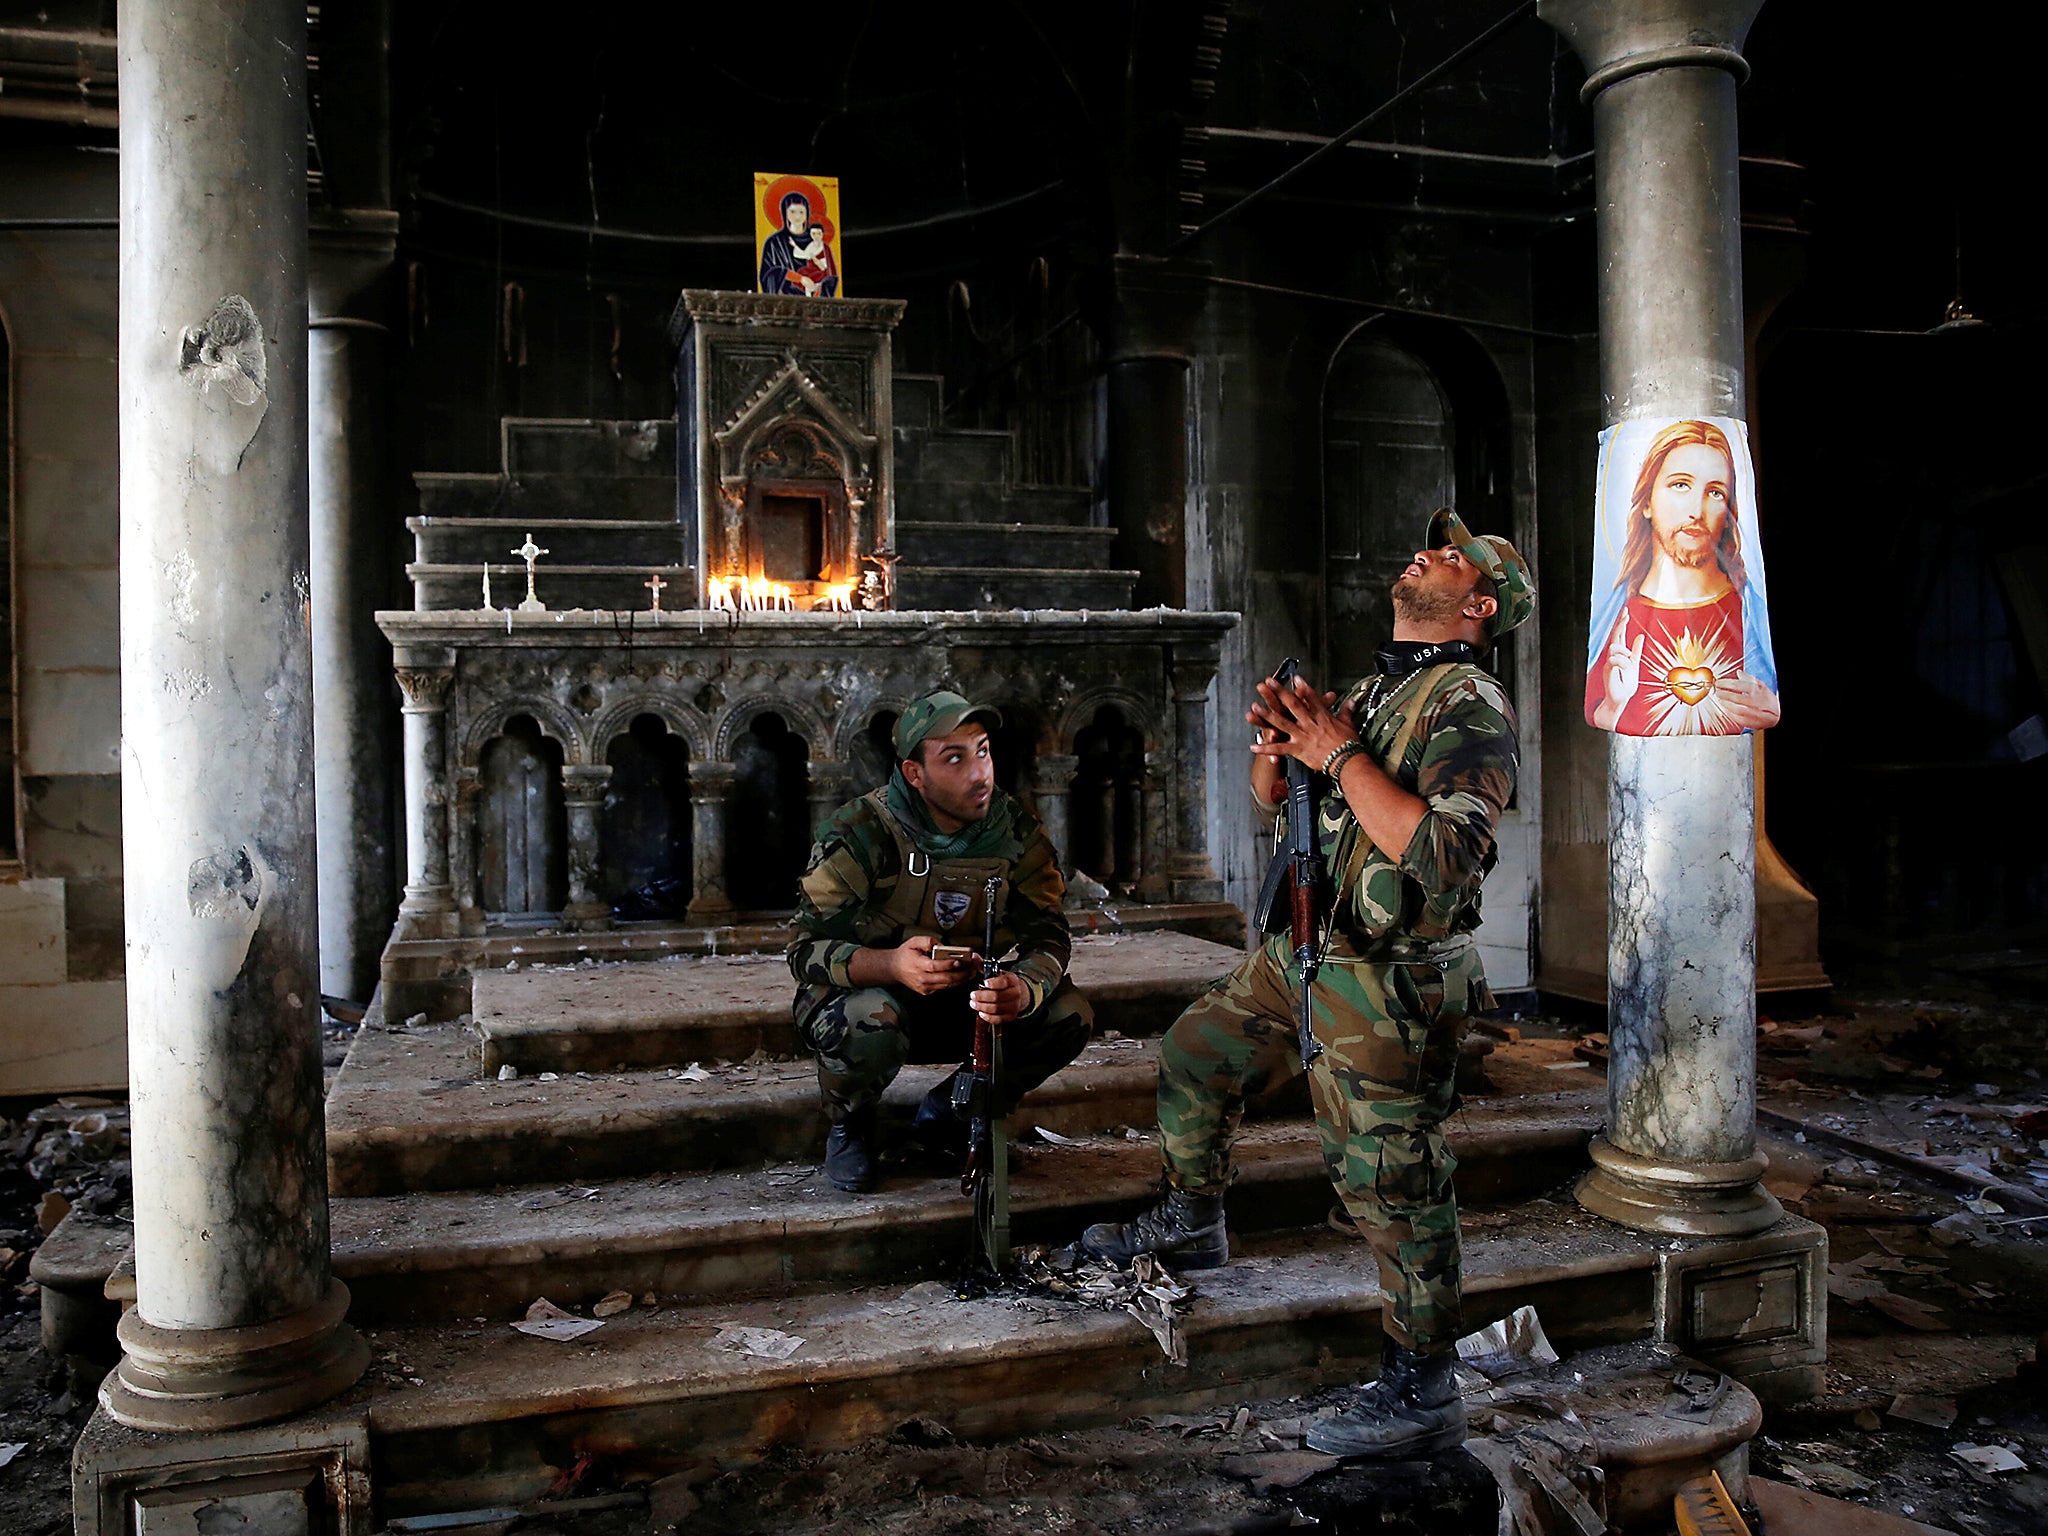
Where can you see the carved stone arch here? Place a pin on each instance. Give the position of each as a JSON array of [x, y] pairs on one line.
[[767, 410], [683, 721], [801, 448], [802, 719], [854, 722], [1137, 711], [554, 721]]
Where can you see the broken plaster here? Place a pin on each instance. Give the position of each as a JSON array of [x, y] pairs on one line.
[[223, 360]]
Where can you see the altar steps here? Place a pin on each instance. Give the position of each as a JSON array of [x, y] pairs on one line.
[[978, 501], [426, 1255], [469, 541], [473, 1414], [409, 1113], [1006, 545], [550, 498], [614, 588], [938, 587]]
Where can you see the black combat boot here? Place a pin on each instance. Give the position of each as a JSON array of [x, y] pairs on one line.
[[850, 1151], [1412, 1410], [1184, 1230], [938, 1130]]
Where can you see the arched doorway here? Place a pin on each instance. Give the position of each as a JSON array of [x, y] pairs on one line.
[[1105, 815], [872, 753], [644, 827], [522, 836], [1389, 457], [769, 835]]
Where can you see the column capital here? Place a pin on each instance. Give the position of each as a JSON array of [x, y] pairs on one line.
[[585, 781], [1156, 302], [1619, 38], [711, 780], [425, 688], [1053, 772]]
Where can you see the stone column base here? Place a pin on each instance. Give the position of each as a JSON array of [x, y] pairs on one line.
[[587, 916], [1691, 1199], [427, 912], [224, 1378], [1755, 1307], [308, 1475]]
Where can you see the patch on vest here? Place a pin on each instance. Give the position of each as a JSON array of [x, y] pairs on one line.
[[949, 907]]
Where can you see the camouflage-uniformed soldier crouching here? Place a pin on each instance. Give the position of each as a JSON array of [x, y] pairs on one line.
[[896, 872], [1419, 761]]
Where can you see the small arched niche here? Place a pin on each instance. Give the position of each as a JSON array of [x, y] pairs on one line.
[[644, 827], [1105, 814], [768, 837], [1013, 747], [522, 825], [872, 753], [1388, 444]]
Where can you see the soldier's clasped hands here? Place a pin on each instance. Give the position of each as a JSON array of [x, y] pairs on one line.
[[1312, 727]]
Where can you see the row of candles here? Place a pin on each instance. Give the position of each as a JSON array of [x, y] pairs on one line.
[[756, 594]]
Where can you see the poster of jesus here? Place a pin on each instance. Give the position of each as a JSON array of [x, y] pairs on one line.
[[796, 233], [1680, 642]]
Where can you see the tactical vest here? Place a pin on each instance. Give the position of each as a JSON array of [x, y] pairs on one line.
[[1380, 898], [943, 898]]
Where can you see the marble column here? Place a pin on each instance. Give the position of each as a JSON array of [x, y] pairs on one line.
[[826, 792], [710, 793], [469, 917], [583, 787], [428, 908], [238, 1317], [351, 566], [1680, 1153], [1152, 881], [1052, 781], [1190, 875], [1154, 304]]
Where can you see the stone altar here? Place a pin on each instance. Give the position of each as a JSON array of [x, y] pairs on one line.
[[832, 684]]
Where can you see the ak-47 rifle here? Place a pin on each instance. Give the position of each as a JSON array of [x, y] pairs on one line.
[[987, 1174], [1297, 868]]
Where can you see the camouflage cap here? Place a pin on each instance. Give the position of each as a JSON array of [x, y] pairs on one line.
[[937, 714], [1494, 555]]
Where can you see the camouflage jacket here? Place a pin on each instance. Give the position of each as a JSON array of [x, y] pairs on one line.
[[843, 904], [1461, 756]]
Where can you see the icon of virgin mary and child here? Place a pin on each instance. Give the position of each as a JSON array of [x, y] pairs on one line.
[[797, 258], [1680, 643]]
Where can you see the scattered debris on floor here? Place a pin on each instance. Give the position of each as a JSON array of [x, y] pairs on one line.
[[1148, 1290]]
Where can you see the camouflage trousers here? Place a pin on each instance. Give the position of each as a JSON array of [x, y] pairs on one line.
[[862, 1039], [1382, 1089]]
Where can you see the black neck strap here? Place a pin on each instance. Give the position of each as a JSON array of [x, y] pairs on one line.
[[1397, 658]]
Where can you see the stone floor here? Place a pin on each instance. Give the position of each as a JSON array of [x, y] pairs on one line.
[[1957, 1337]]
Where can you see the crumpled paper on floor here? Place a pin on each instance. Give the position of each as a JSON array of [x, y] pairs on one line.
[[545, 1320], [1513, 1346], [768, 1343], [1987, 1458]]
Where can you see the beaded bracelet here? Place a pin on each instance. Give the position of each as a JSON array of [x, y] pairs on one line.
[[1334, 763]]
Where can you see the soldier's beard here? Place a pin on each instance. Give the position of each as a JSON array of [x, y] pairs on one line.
[[1419, 605]]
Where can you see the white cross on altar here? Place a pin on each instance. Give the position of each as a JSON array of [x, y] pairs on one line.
[[530, 552], [654, 584]]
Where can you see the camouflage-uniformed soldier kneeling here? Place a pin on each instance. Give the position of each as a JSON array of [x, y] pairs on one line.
[[895, 872], [1420, 761]]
